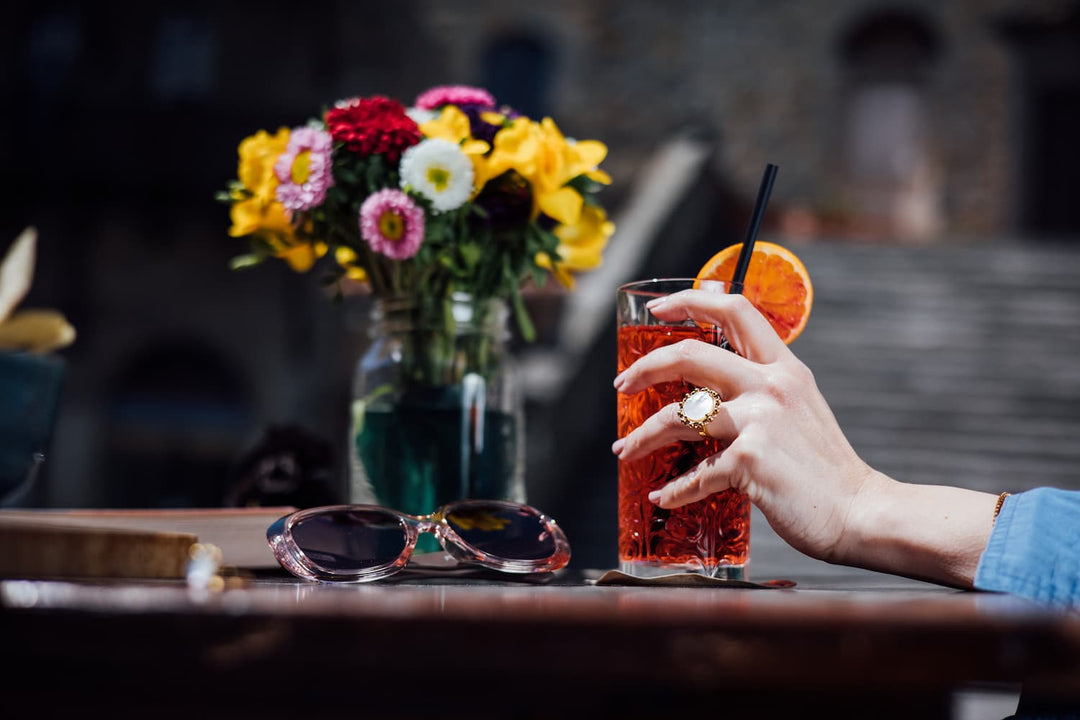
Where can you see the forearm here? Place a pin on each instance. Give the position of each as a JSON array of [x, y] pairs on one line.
[[930, 532]]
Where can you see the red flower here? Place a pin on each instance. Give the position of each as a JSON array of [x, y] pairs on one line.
[[373, 126]]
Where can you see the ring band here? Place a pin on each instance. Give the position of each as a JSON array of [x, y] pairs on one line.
[[697, 409]]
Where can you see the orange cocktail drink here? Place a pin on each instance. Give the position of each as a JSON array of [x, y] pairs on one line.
[[710, 536]]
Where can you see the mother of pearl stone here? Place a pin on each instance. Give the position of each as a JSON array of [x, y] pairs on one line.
[[698, 405]]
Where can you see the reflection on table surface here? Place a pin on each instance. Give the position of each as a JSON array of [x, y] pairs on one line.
[[842, 644], [843, 598]]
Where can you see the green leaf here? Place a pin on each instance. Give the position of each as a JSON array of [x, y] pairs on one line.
[[471, 254], [586, 186], [347, 176], [539, 275], [338, 195], [241, 262], [547, 241], [521, 314], [376, 175]]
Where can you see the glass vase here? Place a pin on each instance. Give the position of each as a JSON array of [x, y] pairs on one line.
[[437, 410]]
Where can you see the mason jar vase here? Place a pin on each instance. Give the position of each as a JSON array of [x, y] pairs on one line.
[[437, 408]]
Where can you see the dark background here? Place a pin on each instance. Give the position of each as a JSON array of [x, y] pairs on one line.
[[910, 127]]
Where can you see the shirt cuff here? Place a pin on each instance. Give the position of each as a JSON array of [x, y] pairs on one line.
[[1033, 547]]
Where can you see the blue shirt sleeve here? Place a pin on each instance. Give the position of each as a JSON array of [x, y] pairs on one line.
[[1034, 548]]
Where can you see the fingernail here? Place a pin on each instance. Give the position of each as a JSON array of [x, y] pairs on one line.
[[655, 302], [654, 497], [620, 380], [617, 446]]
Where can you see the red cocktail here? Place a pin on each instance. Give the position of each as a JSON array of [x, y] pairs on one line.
[[711, 536]]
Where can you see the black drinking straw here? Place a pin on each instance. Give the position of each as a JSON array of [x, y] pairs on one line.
[[736, 286]]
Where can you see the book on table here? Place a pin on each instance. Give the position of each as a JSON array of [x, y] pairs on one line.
[[131, 543]]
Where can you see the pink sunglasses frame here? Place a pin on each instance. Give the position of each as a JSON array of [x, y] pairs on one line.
[[280, 538]]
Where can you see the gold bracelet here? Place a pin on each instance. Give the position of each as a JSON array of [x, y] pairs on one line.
[[997, 508]]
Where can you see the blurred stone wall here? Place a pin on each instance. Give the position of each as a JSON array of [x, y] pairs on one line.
[[121, 121], [768, 83]]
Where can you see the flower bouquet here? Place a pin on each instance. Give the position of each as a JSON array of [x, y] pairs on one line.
[[444, 211], [453, 194]]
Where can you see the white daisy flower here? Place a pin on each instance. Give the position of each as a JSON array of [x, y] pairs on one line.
[[421, 115], [438, 170]]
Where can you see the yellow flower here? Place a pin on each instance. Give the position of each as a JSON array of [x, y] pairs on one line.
[[548, 161], [256, 210], [253, 217], [453, 125], [561, 161], [301, 255], [347, 258], [581, 246], [255, 207], [517, 147], [492, 117]]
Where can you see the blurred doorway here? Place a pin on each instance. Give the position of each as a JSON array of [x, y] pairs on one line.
[[1047, 56], [887, 58], [517, 69]]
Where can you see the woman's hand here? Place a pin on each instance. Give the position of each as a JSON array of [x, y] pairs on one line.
[[783, 446], [785, 450]]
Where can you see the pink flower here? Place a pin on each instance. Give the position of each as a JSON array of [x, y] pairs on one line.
[[459, 95], [392, 224], [304, 169]]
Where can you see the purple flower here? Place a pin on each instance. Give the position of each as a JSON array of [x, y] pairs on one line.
[[392, 224], [507, 202], [480, 128], [304, 169]]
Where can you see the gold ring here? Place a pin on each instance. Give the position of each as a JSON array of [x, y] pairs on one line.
[[697, 409]]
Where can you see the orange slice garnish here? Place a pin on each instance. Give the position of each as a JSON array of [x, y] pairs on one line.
[[776, 283]]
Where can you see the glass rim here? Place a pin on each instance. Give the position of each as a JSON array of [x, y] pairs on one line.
[[637, 285]]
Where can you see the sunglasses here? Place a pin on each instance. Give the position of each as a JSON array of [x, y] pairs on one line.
[[361, 543]]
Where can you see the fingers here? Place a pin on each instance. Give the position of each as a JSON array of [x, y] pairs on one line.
[[664, 427], [711, 475], [691, 361], [733, 375], [748, 331]]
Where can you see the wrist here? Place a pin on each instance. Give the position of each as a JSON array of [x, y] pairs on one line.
[[868, 507], [928, 532]]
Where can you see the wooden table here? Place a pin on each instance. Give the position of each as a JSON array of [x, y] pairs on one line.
[[857, 645]]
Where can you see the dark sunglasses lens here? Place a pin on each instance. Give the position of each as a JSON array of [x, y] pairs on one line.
[[505, 531], [350, 540]]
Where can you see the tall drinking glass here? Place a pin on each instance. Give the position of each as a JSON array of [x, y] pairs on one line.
[[710, 536]]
